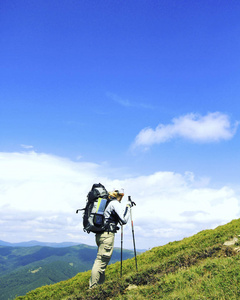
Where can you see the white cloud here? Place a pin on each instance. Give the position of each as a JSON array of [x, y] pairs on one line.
[[27, 146], [40, 182], [209, 128], [40, 193], [126, 103], [119, 100]]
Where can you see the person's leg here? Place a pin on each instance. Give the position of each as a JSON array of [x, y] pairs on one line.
[[105, 242]]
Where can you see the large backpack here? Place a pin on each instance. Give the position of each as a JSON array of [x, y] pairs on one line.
[[93, 213]]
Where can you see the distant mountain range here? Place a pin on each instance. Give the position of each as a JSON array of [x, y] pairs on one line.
[[26, 266], [36, 243]]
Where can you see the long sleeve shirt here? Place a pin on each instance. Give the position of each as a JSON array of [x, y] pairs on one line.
[[117, 213]]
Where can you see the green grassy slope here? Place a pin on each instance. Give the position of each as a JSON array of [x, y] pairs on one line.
[[198, 267], [23, 269]]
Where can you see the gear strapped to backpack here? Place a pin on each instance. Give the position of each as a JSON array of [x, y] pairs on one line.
[[93, 213]]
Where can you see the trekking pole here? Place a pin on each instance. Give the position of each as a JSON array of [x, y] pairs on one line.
[[133, 203], [121, 247]]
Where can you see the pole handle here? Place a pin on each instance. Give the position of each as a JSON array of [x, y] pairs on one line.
[[132, 203]]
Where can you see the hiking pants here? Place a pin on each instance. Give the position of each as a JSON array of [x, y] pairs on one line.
[[105, 243]]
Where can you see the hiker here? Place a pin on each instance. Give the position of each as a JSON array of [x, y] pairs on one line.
[[114, 214]]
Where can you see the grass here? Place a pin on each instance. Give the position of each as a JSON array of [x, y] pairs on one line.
[[198, 267]]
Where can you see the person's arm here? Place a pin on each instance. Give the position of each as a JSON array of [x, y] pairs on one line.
[[122, 212]]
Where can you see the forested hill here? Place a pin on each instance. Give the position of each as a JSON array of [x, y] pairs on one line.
[[204, 266], [23, 269], [37, 243]]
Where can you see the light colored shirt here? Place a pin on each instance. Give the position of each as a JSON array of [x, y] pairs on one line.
[[117, 213]]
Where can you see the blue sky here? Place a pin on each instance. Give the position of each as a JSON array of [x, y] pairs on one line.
[[136, 91]]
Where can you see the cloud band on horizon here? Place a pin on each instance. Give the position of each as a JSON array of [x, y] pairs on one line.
[[40, 194]]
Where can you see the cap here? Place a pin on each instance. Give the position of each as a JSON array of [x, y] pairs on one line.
[[119, 191]]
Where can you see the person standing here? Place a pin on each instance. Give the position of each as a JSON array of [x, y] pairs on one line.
[[114, 214]]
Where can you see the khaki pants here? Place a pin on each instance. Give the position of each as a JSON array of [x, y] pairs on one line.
[[105, 243]]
